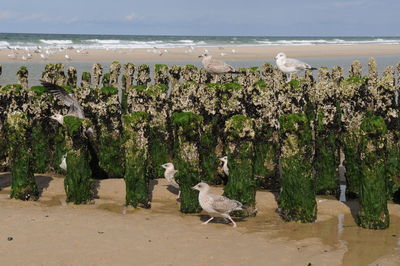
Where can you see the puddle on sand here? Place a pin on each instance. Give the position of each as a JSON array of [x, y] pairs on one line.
[[363, 246]]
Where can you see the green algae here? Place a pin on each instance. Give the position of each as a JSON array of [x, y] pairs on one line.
[[297, 197], [136, 175]]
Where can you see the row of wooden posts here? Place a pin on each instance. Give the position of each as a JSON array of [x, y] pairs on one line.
[[282, 136]]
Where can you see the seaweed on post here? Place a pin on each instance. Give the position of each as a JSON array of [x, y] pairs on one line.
[[239, 134], [136, 130], [23, 184], [297, 197], [186, 158], [326, 128], [373, 213], [78, 182]]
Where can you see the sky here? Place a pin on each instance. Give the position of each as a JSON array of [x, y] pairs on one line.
[[203, 17]]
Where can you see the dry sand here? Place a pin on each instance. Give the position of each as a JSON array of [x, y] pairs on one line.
[[184, 54], [51, 232]]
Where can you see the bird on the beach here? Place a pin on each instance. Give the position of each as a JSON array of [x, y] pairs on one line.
[[169, 175], [63, 164], [216, 67], [225, 165], [290, 65], [216, 204]]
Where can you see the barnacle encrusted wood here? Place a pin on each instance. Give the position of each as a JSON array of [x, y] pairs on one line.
[[136, 133]]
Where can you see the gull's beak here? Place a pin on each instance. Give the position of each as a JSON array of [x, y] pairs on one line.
[[194, 188], [200, 56]]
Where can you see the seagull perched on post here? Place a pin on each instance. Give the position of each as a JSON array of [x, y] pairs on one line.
[[290, 65], [216, 67], [216, 204], [169, 175]]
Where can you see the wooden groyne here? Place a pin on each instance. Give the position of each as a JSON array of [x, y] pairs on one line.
[[290, 137]]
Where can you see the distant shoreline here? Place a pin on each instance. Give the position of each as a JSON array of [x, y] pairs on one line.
[[220, 52]]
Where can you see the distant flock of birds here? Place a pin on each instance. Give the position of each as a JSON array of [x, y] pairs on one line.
[[211, 203]]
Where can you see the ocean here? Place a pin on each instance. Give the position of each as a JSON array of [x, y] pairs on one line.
[[63, 41], [87, 41]]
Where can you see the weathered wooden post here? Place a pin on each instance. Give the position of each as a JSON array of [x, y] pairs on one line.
[[152, 99], [373, 213], [208, 107], [297, 197], [384, 104], [115, 69], [260, 104], [106, 80], [23, 184], [77, 183], [326, 128], [241, 186], [352, 107], [54, 73], [22, 76], [127, 78], [136, 176], [143, 75], [186, 160], [86, 79], [190, 73], [161, 74], [71, 77], [108, 124], [97, 71]]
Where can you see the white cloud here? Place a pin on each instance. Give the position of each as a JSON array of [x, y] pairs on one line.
[[5, 15], [133, 16]]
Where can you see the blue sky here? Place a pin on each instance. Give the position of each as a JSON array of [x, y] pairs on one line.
[[204, 17]]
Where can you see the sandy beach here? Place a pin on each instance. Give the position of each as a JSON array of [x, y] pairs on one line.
[[185, 54], [52, 232]]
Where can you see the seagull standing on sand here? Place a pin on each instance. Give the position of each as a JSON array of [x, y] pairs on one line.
[[216, 204], [63, 164], [216, 67], [290, 65], [225, 165], [169, 175]]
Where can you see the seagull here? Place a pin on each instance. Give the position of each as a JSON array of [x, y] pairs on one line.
[[69, 99], [290, 65], [214, 66], [169, 175], [216, 204], [63, 164], [67, 57], [225, 165]]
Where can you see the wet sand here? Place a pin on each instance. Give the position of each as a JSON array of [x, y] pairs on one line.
[[51, 232], [187, 54]]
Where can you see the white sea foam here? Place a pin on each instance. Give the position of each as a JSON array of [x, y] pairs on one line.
[[56, 42]]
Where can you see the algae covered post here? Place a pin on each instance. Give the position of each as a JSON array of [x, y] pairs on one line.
[[326, 126], [241, 186], [297, 197], [78, 183], [186, 127], [23, 185], [373, 213], [136, 127]]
